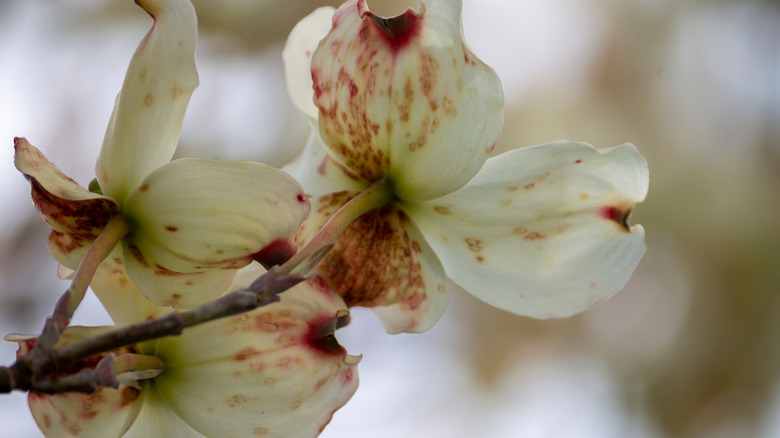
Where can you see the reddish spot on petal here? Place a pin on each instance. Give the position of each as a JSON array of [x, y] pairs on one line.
[[272, 323], [321, 334], [397, 31], [315, 79], [275, 253], [617, 215], [171, 228], [301, 198], [143, 188], [577, 161], [322, 169], [246, 353]]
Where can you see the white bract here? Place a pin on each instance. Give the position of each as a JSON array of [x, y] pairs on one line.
[[540, 231], [194, 222], [277, 371]]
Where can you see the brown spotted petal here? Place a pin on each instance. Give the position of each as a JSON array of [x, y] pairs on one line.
[[382, 261], [107, 412], [320, 173], [144, 128], [75, 214], [403, 95], [277, 371], [196, 221], [542, 231]]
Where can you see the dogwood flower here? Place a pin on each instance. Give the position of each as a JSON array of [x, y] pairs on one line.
[[193, 222], [277, 371], [402, 102]]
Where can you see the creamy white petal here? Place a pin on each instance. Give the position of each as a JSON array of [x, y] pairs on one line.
[[195, 221], [193, 215], [157, 419], [120, 297], [276, 371], [401, 96], [144, 128], [542, 231], [297, 53], [383, 262], [165, 287]]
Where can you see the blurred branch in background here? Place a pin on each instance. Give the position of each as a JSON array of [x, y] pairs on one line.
[[690, 348]]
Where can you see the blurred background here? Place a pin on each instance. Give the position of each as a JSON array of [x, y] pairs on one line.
[[690, 348]]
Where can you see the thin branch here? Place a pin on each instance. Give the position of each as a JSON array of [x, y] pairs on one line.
[[22, 374]]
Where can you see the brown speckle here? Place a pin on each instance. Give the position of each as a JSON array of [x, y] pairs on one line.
[[519, 231], [148, 100], [144, 188], [171, 228], [475, 245], [129, 395], [375, 262], [246, 353], [534, 235], [441, 209]]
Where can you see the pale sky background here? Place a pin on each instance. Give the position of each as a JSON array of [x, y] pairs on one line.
[[691, 346]]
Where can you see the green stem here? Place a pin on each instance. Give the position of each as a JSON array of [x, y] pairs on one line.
[[376, 196]]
